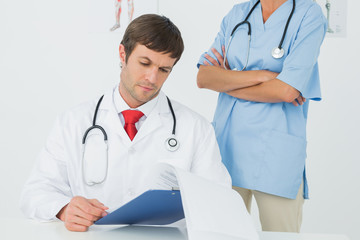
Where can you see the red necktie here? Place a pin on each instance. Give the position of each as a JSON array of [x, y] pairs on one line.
[[131, 117]]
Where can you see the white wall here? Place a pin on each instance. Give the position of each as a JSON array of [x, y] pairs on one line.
[[50, 62], [334, 137]]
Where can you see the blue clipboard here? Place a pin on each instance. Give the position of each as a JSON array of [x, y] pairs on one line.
[[153, 207]]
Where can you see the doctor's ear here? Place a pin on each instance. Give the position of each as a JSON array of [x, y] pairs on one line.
[[122, 54]]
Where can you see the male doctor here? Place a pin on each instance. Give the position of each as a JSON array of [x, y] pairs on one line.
[[79, 188]]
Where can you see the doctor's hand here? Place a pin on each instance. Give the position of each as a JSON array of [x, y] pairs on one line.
[[219, 62], [80, 213]]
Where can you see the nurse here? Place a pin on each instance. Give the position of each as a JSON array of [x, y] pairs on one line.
[[137, 118], [264, 85]]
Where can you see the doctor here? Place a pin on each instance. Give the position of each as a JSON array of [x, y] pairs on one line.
[[263, 63], [136, 127]]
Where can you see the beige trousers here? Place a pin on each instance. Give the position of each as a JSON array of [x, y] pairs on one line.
[[276, 213]]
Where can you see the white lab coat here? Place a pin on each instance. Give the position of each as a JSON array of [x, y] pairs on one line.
[[58, 174]]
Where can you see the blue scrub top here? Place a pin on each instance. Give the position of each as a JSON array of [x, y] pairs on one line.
[[263, 145]]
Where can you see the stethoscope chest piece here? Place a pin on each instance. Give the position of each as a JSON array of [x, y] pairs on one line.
[[172, 144], [277, 52]]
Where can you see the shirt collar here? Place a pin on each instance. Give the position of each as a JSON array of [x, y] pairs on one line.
[[121, 105]]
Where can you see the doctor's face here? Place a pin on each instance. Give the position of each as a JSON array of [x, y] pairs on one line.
[[143, 74]]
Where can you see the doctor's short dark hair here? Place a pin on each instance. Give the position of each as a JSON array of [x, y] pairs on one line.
[[155, 32]]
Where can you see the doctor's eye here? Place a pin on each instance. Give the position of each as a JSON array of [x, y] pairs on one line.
[[144, 63], [164, 70]]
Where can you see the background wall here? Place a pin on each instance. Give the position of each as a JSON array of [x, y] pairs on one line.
[[50, 61]]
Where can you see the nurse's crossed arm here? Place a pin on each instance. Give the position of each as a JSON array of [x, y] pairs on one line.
[[208, 76], [256, 86], [80, 213], [272, 91]]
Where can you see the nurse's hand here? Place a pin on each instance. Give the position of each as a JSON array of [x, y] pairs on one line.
[[80, 213], [299, 101], [220, 59]]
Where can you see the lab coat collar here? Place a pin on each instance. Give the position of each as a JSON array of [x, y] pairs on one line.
[[153, 121], [107, 102], [109, 118]]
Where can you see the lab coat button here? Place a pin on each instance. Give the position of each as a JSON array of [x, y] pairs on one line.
[[131, 150]]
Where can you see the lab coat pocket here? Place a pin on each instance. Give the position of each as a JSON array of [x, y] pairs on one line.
[[284, 160]]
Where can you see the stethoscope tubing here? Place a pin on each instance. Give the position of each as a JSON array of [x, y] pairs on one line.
[[94, 123], [103, 130], [287, 25], [249, 34], [173, 116], [171, 143]]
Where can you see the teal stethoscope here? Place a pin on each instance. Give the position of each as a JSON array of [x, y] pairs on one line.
[[277, 52]]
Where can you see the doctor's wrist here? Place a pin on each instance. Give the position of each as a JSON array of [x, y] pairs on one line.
[[61, 213]]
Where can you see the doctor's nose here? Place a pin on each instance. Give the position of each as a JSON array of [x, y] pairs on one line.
[[152, 74]]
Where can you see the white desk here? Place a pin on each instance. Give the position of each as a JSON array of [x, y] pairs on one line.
[[17, 229]]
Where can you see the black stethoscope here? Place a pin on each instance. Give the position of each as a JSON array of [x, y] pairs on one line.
[[171, 144], [277, 52]]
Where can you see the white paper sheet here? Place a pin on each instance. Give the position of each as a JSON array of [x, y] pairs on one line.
[[211, 211]]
